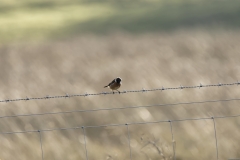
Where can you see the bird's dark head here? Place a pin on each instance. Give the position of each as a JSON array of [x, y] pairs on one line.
[[118, 80]]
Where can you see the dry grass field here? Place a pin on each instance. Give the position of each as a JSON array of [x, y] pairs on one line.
[[86, 64], [58, 47]]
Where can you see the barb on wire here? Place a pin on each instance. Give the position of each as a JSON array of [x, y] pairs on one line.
[[130, 91], [238, 82], [67, 95], [181, 87], [162, 88], [120, 108]]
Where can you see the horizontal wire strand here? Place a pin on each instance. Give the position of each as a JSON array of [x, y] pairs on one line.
[[122, 124], [119, 108], [123, 92]]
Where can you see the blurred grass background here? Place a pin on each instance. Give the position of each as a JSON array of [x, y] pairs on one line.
[[41, 20], [58, 47]]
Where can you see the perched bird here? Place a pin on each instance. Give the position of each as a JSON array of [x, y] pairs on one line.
[[115, 84]]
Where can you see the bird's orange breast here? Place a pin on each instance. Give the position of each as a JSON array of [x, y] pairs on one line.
[[115, 86]]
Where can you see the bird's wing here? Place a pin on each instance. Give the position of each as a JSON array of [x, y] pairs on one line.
[[111, 83]]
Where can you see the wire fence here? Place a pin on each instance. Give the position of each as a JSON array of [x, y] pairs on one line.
[[84, 128], [123, 92]]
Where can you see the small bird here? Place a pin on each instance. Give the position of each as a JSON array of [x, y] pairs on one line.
[[115, 84]]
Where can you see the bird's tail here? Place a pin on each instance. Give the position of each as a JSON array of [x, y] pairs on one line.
[[105, 86]]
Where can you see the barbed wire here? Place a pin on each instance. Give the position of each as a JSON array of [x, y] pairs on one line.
[[119, 108], [128, 133], [123, 92]]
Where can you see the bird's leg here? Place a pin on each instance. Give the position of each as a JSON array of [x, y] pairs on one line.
[[113, 91], [118, 91]]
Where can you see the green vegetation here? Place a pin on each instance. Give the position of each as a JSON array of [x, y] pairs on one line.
[[40, 20]]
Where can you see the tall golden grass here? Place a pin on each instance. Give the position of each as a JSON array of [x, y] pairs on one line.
[[87, 63]]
